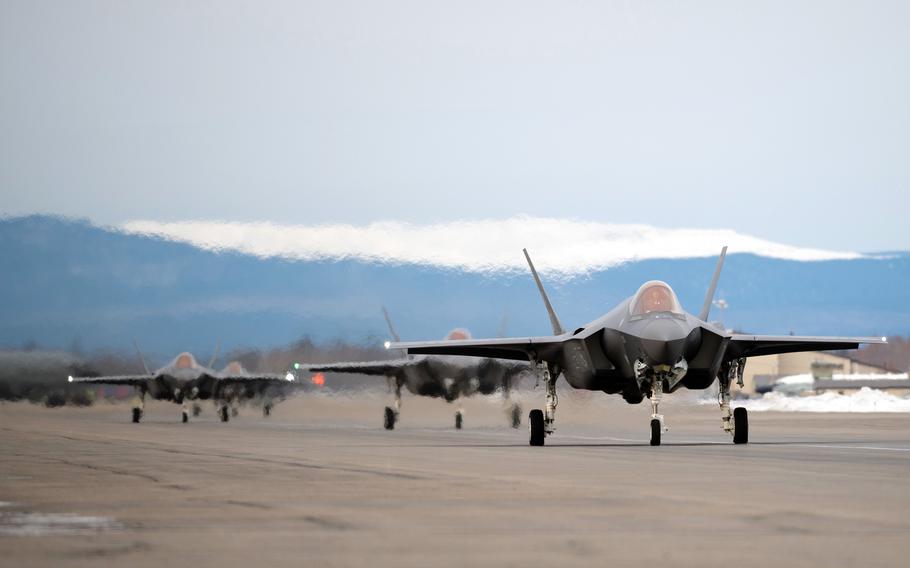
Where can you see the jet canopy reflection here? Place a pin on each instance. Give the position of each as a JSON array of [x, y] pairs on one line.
[[654, 296]]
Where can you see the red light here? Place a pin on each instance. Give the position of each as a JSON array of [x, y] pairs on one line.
[[318, 379]]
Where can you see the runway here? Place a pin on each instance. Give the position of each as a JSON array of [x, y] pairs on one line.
[[321, 484]]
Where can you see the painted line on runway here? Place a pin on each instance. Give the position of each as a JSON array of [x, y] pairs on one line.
[[876, 448]]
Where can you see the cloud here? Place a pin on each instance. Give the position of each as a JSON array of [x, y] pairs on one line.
[[562, 246]]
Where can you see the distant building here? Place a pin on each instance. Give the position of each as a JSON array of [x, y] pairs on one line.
[[761, 372]]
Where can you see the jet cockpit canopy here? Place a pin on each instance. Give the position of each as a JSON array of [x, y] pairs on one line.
[[654, 296]]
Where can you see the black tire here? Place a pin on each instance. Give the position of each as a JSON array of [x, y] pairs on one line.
[[655, 432], [137, 415], [516, 416], [458, 420], [225, 415], [389, 418], [186, 417], [535, 425], [740, 426], [197, 410], [267, 410]]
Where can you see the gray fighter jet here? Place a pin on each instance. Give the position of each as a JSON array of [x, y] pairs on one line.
[[645, 347], [184, 380], [447, 377]]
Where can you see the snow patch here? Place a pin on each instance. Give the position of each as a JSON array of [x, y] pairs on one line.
[[558, 245], [864, 400], [45, 524]]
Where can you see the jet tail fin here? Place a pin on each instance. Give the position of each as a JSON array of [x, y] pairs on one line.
[[554, 320], [141, 357], [388, 321], [709, 298], [215, 353]]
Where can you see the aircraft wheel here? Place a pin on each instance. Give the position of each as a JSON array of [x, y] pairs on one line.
[[137, 415], [655, 432], [535, 424], [516, 416], [267, 410], [740, 426], [225, 416], [197, 410], [458, 420], [389, 419], [186, 417], [234, 411]]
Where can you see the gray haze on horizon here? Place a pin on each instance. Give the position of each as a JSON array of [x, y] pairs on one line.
[[788, 121]]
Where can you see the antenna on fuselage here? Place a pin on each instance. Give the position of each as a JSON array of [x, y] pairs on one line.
[[141, 357], [554, 321], [215, 353], [706, 308]]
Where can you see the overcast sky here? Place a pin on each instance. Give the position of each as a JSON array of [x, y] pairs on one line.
[[785, 120]]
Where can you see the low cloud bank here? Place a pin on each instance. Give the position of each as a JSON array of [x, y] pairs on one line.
[[559, 246]]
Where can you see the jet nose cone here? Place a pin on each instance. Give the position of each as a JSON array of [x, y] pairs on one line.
[[661, 352], [662, 341]]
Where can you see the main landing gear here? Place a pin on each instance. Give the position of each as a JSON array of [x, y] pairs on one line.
[[515, 415], [459, 418], [543, 423], [390, 415], [224, 413], [736, 422], [138, 407]]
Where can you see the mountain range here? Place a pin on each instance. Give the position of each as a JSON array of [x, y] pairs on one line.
[[71, 284]]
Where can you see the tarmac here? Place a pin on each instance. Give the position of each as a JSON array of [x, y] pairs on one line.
[[320, 483]]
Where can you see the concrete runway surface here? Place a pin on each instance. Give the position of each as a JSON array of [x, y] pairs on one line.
[[321, 484]]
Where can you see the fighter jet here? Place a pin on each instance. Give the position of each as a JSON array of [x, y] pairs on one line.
[[266, 393], [183, 380], [447, 377], [645, 347]]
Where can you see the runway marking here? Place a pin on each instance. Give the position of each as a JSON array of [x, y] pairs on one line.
[[879, 448]]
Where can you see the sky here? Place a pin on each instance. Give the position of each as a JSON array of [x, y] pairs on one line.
[[785, 121]]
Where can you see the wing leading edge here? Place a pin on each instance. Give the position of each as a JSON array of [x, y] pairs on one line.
[[744, 345], [133, 380], [515, 348]]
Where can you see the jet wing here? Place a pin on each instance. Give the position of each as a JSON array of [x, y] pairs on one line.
[[389, 367], [517, 348], [134, 380], [255, 378], [743, 345]]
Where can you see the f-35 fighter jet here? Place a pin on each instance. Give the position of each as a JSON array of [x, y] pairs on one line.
[[449, 378], [184, 380], [645, 347]]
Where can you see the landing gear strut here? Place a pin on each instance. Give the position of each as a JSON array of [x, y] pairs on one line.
[[543, 423], [138, 407], [657, 420], [459, 418], [515, 415], [390, 417], [224, 413], [736, 422]]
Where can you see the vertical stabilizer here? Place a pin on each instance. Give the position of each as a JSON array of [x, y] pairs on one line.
[[215, 353], [388, 321], [554, 321], [706, 308], [141, 357]]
